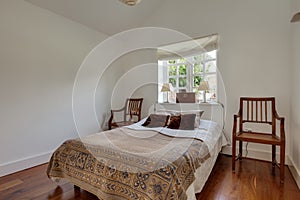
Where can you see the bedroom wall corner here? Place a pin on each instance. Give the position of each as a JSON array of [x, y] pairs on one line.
[[139, 79], [295, 95]]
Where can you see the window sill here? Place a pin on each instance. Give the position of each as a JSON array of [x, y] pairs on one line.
[[201, 103]]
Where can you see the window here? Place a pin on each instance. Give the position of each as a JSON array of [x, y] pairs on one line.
[[186, 73]]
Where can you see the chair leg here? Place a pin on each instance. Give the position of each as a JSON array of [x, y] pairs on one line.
[[282, 161], [240, 150], [273, 158], [273, 155], [233, 154]]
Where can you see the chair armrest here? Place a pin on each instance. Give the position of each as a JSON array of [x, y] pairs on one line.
[[235, 117], [119, 110], [112, 116], [110, 119], [282, 130], [277, 116]]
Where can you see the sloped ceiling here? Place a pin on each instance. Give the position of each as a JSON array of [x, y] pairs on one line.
[[107, 16]]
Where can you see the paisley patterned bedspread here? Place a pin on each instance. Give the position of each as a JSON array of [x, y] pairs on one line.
[[129, 164]]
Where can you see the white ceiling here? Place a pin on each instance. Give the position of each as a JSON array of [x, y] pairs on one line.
[[106, 16]]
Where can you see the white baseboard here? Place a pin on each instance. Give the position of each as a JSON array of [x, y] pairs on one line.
[[256, 154], [295, 172], [15, 166]]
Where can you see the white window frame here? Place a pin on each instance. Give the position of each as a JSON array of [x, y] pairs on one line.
[[164, 73]]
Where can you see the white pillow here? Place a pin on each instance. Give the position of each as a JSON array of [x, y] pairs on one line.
[[166, 112]]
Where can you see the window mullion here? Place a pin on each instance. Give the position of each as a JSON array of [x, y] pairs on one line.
[[204, 69], [167, 70], [177, 78], [189, 76]]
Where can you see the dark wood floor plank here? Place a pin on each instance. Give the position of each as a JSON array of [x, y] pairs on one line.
[[253, 180], [10, 184]]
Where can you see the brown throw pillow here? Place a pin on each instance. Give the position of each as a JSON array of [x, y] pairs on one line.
[[182, 122], [174, 122], [155, 120], [198, 113], [187, 122]]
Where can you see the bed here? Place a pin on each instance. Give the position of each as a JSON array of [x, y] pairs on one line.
[[140, 162]]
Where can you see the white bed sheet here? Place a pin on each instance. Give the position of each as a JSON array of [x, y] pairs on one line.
[[203, 172], [209, 132]]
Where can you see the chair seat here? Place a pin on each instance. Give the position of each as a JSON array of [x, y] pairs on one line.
[[123, 123], [256, 137]]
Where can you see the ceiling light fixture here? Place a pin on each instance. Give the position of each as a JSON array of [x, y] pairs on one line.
[[296, 17], [130, 2]]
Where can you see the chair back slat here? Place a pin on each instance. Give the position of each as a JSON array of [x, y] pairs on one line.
[[266, 111], [248, 110], [134, 107], [261, 110], [251, 110], [257, 110]]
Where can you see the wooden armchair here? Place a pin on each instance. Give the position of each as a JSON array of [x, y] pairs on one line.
[[259, 111], [132, 107]]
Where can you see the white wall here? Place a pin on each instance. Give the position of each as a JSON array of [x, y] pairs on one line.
[[139, 79], [254, 55], [40, 54], [295, 95], [125, 78]]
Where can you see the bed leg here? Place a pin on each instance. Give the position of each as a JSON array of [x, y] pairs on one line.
[[76, 188]]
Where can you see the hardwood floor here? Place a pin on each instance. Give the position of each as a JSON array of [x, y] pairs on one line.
[[253, 180]]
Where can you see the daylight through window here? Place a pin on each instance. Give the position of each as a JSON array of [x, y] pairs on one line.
[[186, 73]]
